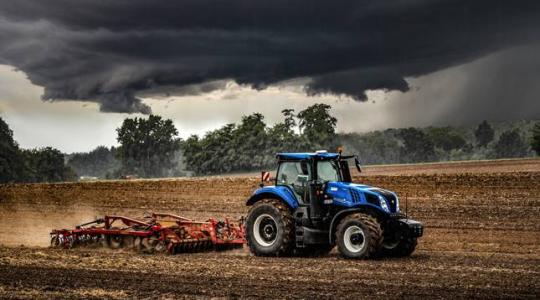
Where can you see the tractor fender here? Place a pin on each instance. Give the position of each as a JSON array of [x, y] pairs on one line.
[[343, 213], [281, 193]]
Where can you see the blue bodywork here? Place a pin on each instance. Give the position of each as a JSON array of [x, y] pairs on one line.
[[352, 195], [277, 192], [343, 194]]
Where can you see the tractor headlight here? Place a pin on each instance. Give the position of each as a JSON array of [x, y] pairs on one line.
[[383, 204]]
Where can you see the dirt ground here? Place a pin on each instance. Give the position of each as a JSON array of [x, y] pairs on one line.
[[454, 167], [482, 240]]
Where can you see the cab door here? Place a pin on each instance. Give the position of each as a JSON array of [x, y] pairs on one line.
[[295, 175]]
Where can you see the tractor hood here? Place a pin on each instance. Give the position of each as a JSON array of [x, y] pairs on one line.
[[354, 194]]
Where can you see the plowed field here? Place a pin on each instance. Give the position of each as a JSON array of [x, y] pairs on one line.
[[482, 240]]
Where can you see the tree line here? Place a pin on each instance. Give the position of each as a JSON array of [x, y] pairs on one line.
[[430, 144], [252, 145], [30, 165], [151, 147]]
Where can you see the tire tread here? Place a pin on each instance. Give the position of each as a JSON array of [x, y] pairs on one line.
[[287, 243], [374, 228]]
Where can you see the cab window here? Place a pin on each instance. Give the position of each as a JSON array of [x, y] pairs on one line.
[[288, 175], [289, 171], [327, 171]]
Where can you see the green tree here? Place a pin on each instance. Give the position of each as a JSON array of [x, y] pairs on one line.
[[193, 153], [148, 146], [282, 136], [47, 165], [446, 138], [11, 159], [417, 147], [535, 144], [484, 134], [289, 121], [218, 154], [317, 125], [98, 162], [246, 146], [377, 147], [510, 144], [250, 140]]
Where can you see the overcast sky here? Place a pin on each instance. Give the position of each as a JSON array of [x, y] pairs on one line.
[[206, 63]]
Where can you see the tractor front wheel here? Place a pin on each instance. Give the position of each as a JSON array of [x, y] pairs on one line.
[[270, 228], [359, 236], [400, 248]]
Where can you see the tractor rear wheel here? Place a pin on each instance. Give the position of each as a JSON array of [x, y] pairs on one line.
[[270, 228], [359, 236]]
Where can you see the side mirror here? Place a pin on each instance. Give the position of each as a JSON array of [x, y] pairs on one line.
[[357, 164], [302, 178]]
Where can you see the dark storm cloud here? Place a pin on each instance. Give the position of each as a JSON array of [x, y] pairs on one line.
[[108, 51]]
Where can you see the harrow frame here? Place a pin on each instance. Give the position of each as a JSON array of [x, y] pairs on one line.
[[162, 232]]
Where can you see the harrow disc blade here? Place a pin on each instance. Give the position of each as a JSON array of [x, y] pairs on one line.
[[160, 247], [115, 241], [55, 241]]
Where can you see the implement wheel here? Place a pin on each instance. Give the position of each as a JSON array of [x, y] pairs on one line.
[[270, 228], [359, 236]]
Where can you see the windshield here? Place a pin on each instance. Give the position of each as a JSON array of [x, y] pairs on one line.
[[327, 171], [289, 171]]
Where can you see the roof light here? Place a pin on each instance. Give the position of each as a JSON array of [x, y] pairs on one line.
[[321, 151]]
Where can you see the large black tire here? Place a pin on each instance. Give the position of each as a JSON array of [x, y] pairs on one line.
[[274, 232], [404, 247], [359, 236]]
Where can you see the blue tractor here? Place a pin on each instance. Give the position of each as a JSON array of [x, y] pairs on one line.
[[314, 206]]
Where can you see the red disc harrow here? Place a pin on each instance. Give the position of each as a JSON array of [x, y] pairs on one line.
[[158, 232]]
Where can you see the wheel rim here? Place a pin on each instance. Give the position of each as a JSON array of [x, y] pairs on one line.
[[390, 243], [265, 230], [354, 239]]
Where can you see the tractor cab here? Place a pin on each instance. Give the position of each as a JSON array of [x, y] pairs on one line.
[[313, 178], [300, 171]]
